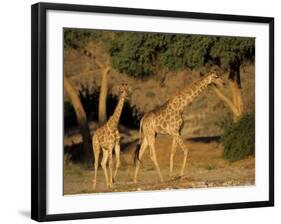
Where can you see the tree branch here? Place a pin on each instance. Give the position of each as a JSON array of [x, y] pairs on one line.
[[227, 101]]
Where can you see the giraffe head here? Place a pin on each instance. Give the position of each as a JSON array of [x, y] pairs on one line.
[[124, 89], [215, 78]]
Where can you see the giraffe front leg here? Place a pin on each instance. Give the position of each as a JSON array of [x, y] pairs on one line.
[[185, 152], [151, 143], [173, 151], [110, 181], [96, 149], [103, 165], [117, 156]]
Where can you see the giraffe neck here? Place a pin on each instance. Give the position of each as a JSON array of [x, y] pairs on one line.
[[188, 94], [114, 119]]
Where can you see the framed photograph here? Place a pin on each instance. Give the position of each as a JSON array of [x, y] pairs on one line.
[[139, 111]]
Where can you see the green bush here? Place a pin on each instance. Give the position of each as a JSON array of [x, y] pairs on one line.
[[238, 139]]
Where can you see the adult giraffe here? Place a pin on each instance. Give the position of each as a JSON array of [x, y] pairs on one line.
[[167, 119]]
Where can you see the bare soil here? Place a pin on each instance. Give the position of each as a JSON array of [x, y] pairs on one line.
[[205, 168]]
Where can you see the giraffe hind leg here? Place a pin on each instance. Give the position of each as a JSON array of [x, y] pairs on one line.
[[151, 143], [185, 152], [139, 156]]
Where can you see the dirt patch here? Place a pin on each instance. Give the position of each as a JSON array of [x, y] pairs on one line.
[[205, 168]]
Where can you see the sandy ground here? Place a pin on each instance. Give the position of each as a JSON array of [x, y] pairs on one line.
[[205, 168]]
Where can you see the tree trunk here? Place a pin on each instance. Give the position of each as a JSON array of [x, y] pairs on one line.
[[235, 85], [104, 66], [81, 120], [236, 104], [233, 108], [103, 95], [237, 97]]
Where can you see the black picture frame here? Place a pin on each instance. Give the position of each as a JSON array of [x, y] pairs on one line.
[[39, 122]]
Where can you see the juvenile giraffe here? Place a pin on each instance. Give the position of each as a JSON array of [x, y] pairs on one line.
[[106, 138], [167, 119]]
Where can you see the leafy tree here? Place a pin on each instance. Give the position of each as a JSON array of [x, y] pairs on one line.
[[230, 53], [142, 54]]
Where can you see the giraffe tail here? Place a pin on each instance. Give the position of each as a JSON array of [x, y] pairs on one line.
[[136, 155], [138, 146]]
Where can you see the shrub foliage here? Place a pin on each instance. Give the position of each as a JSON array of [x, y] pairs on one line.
[[238, 139]]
